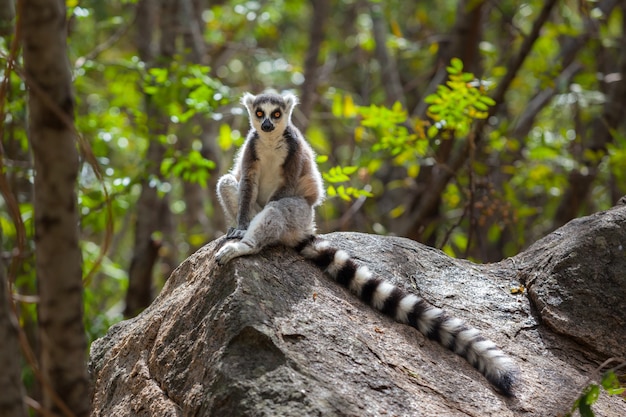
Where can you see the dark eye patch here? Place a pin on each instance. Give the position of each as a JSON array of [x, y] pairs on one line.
[[259, 113], [276, 114]]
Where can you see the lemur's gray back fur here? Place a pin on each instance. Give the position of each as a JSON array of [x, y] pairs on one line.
[[271, 193]]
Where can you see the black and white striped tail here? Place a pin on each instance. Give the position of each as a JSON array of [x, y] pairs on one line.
[[410, 309]]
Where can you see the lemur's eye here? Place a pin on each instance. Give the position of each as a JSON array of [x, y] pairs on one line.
[[276, 114], [259, 113]]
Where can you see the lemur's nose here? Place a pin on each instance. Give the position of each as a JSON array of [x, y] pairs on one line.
[[267, 126]]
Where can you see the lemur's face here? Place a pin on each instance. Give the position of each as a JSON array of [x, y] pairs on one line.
[[269, 112]]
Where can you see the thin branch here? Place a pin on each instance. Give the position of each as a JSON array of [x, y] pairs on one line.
[[516, 62], [541, 99], [472, 191], [446, 237], [93, 54], [388, 68]]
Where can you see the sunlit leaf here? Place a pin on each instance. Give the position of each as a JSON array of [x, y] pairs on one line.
[[397, 212], [349, 109], [432, 131], [349, 170], [337, 107], [225, 140]]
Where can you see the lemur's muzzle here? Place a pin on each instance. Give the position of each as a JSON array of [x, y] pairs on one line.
[[267, 126]]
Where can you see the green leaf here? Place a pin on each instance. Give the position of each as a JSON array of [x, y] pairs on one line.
[[494, 233], [481, 106], [460, 240], [456, 66], [397, 107], [341, 191], [593, 393], [159, 74], [452, 70], [432, 131], [413, 170], [166, 165], [337, 107], [349, 170], [335, 175], [435, 108], [487, 100], [611, 383], [432, 99], [585, 410], [349, 109], [543, 153], [615, 391], [225, 139], [467, 77]]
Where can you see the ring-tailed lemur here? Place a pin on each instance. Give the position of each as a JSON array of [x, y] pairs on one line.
[[272, 192]]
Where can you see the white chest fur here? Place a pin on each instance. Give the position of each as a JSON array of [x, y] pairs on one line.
[[271, 154]]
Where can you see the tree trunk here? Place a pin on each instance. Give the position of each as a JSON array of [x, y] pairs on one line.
[[7, 14], [311, 65], [11, 389], [152, 221], [57, 253]]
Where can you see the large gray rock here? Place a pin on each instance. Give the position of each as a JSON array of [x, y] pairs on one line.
[[576, 278], [270, 335]]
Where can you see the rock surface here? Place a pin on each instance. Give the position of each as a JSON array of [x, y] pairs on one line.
[[576, 278], [270, 335]]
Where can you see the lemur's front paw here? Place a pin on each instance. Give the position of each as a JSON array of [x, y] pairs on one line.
[[225, 254], [234, 233], [232, 250]]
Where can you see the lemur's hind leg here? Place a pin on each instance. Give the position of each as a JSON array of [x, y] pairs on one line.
[[288, 221], [228, 195]]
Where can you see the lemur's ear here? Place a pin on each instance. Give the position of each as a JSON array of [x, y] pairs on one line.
[[248, 100], [290, 102]]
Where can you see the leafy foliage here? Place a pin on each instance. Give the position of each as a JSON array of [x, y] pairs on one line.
[[609, 382], [337, 175], [459, 102], [184, 90], [191, 167]]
